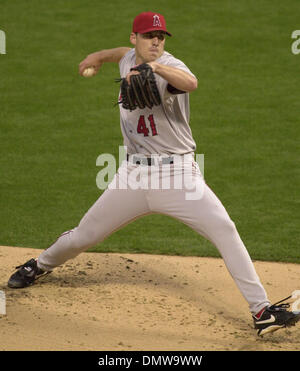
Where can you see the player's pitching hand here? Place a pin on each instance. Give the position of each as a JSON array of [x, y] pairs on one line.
[[92, 60]]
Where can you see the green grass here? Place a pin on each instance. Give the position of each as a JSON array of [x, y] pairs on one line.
[[244, 118]]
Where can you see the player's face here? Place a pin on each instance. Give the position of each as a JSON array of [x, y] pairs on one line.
[[148, 46]]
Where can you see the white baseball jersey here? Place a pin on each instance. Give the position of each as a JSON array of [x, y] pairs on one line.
[[163, 129]]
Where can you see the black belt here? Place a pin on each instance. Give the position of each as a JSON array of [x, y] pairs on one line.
[[149, 160]]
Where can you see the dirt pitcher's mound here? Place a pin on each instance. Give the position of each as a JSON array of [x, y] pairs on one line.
[[138, 302]]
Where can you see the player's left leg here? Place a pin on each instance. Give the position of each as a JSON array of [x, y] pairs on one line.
[[207, 216]]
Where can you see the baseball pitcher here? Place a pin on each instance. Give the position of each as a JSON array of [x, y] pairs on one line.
[[154, 120]]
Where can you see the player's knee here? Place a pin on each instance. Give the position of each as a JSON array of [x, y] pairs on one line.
[[230, 225], [227, 226]]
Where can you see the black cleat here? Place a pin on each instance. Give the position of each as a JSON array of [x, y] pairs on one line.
[[26, 275], [275, 317]]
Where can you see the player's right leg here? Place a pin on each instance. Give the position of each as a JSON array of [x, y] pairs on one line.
[[114, 209]]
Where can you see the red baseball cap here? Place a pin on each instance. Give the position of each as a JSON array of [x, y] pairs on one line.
[[149, 21]]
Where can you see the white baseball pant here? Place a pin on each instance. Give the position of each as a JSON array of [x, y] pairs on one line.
[[200, 209]]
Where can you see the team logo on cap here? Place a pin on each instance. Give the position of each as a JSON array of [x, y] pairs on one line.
[[156, 21]]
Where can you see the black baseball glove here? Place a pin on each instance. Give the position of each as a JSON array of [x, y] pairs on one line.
[[142, 91]]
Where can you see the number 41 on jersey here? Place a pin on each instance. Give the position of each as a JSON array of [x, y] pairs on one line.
[[142, 126]]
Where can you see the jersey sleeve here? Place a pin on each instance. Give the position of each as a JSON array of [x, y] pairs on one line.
[[125, 62], [166, 89]]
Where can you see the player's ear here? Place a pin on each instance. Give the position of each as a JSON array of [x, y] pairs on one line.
[[133, 38]]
